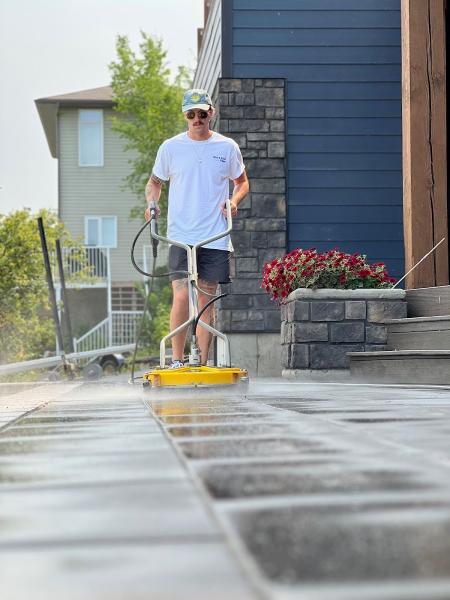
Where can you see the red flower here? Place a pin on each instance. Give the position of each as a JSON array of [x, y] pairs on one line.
[[309, 268]]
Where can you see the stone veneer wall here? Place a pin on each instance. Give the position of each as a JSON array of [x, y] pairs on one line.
[[319, 327], [252, 112]]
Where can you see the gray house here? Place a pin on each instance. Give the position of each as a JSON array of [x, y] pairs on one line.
[[95, 207]]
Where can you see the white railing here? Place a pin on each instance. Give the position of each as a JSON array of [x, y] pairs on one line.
[[117, 330], [97, 337], [124, 326], [85, 265]]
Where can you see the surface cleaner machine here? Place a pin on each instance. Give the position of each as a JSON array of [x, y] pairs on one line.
[[194, 374]]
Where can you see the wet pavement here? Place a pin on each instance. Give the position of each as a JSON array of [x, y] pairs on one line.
[[95, 504], [305, 491]]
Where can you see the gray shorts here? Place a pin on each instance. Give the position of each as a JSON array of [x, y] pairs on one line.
[[213, 265]]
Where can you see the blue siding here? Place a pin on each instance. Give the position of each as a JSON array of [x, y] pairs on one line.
[[299, 17], [343, 72], [311, 73], [347, 214], [338, 161], [345, 108], [387, 144], [321, 55], [317, 37]]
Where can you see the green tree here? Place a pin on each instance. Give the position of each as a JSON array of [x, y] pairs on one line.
[[148, 107], [26, 326], [148, 111]]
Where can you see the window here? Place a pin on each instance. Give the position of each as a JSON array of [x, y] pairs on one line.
[[90, 138], [100, 231]]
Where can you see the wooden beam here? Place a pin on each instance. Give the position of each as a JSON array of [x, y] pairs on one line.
[[424, 140]]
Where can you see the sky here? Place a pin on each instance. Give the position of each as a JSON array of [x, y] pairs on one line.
[[51, 47]]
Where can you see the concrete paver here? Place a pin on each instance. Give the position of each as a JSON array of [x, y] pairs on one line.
[[343, 493], [94, 504], [16, 399], [311, 491], [180, 571]]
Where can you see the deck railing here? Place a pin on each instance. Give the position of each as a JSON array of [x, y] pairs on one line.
[[85, 265], [97, 337], [117, 330], [124, 326]]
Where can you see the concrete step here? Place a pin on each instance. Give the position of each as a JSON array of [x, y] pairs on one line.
[[429, 302], [419, 333], [403, 366]]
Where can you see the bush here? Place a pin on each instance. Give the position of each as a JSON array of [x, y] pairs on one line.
[[156, 323], [332, 269], [26, 324]]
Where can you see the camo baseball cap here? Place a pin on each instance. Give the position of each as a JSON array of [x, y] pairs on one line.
[[196, 99]]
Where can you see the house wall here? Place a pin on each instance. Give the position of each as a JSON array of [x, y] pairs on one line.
[[343, 99], [98, 191], [209, 65]]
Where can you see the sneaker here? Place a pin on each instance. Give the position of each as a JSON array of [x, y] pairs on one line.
[[176, 364]]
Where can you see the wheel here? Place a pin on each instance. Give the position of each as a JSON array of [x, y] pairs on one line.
[[92, 372], [110, 367], [146, 384]]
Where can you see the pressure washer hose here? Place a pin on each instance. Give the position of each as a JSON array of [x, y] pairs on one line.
[[151, 277], [141, 324]]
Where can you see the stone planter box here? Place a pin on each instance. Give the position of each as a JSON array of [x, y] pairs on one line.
[[319, 327]]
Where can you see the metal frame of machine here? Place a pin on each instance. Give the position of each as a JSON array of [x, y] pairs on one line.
[[193, 374]]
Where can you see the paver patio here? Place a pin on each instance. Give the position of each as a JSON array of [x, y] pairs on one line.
[[299, 490]]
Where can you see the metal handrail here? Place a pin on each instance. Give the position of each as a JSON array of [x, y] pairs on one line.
[[93, 330], [202, 243], [51, 361]]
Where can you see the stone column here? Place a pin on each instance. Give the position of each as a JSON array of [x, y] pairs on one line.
[[252, 112]]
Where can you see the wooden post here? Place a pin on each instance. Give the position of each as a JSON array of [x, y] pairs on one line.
[[424, 141]]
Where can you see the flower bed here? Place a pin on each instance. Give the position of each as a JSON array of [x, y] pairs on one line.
[[331, 270], [332, 303]]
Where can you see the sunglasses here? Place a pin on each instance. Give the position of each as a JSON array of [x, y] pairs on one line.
[[201, 114]]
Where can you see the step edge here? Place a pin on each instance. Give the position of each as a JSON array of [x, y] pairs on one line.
[[418, 319], [392, 354]]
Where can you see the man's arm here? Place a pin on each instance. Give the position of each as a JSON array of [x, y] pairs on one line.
[[153, 193], [241, 189]]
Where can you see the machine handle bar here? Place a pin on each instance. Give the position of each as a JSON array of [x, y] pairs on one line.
[[156, 236]]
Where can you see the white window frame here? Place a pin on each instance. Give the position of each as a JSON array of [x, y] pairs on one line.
[[99, 229], [102, 161]]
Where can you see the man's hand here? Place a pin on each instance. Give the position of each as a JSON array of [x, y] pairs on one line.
[[152, 194], [148, 215], [241, 189], [233, 207]]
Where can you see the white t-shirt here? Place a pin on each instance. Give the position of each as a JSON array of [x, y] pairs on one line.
[[199, 174]]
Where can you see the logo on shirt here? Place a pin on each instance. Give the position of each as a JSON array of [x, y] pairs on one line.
[[220, 158]]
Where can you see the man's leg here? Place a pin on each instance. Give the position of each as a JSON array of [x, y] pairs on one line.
[[178, 315], [203, 336]]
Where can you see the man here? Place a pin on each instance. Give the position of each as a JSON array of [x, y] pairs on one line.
[[199, 164]]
